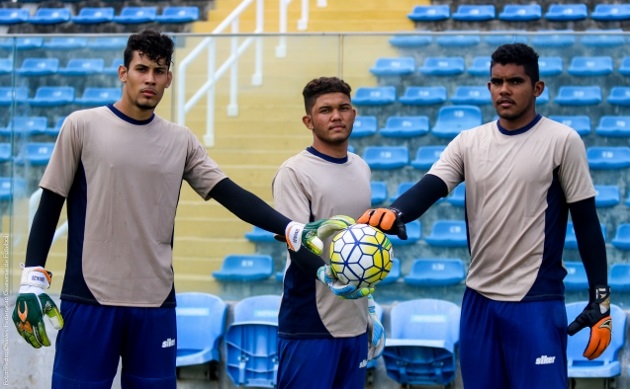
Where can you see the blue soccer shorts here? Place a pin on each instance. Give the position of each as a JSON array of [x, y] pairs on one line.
[[95, 338], [513, 345], [338, 363]]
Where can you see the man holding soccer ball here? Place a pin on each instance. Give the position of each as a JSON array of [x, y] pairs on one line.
[[524, 174]]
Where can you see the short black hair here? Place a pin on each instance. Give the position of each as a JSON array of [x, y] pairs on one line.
[[153, 44], [321, 86], [519, 54]]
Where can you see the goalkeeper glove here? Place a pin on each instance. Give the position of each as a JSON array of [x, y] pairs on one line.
[[32, 304], [345, 291], [596, 315], [386, 220], [311, 234], [375, 332]]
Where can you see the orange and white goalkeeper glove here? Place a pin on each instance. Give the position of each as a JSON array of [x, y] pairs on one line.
[[386, 220], [597, 317]]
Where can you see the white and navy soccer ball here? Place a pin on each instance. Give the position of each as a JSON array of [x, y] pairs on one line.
[[361, 255]]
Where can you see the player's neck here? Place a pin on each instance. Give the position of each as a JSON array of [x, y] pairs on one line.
[[133, 111]]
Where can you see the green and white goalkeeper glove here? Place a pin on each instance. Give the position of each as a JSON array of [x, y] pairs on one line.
[[345, 291], [32, 304], [311, 234], [375, 332]]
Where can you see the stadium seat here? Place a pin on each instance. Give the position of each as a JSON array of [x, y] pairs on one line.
[[580, 123], [624, 66], [6, 152], [394, 273], [458, 195], [38, 67], [619, 95], [178, 14], [83, 67], [246, 267], [35, 153], [420, 347], [95, 96], [622, 237], [576, 276], [453, 119], [26, 125], [436, 272], [423, 95], [376, 95], [426, 156], [405, 127], [11, 16], [45, 15], [430, 13], [578, 95], [65, 43], [397, 66], [448, 233], [443, 66], [11, 187], [54, 131], [51, 96], [136, 15], [112, 43], [94, 15], [613, 126], [607, 365], [364, 126], [410, 41], [21, 43], [251, 342], [112, 69], [10, 95], [474, 13], [605, 38], [590, 66], [258, 235], [570, 241], [619, 277], [521, 12], [610, 12], [543, 98], [566, 12], [480, 66], [471, 95], [6, 65], [379, 191], [607, 196], [414, 233], [201, 319], [608, 157], [386, 157], [502, 37], [459, 38], [550, 66], [555, 39]]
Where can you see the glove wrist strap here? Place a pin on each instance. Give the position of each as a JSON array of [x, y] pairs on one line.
[[35, 276]]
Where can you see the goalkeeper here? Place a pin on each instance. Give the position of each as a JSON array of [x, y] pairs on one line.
[[524, 174]]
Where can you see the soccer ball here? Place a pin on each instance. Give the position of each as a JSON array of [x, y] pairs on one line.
[[361, 255]]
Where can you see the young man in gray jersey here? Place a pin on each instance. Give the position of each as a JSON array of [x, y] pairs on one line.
[[322, 339], [121, 167], [524, 174]]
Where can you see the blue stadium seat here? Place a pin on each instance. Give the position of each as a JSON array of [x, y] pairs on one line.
[[394, 273], [423, 95], [570, 241], [611, 12], [420, 347], [579, 95], [10, 95], [521, 12], [45, 15], [619, 95], [624, 66], [607, 196], [94, 15], [201, 319], [21, 43], [65, 43], [402, 188], [550, 66], [471, 95], [52, 96], [178, 14], [458, 195], [379, 191], [453, 119], [386, 157], [622, 237], [405, 127], [613, 126], [11, 188], [443, 66], [251, 342], [414, 233], [35, 153], [364, 126], [474, 13], [426, 156], [376, 95], [6, 152], [608, 157], [410, 41], [112, 43], [605, 38], [580, 123], [619, 277], [112, 69], [502, 37], [136, 15], [54, 131], [396, 66], [430, 13], [566, 12], [83, 67], [245, 267], [258, 235], [38, 67], [553, 39], [576, 276], [26, 125], [480, 66], [448, 233], [459, 38], [95, 96], [590, 66], [11, 16], [543, 98], [436, 272], [605, 366], [6, 65]]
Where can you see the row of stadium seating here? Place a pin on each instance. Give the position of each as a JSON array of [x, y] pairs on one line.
[[54, 96], [51, 66], [64, 43]]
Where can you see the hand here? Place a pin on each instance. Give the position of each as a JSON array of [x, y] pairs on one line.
[[386, 220], [375, 332], [32, 304], [311, 234], [345, 291], [596, 315]]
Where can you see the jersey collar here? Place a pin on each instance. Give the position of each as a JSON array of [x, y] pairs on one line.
[[328, 158], [127, 118], [520, 130]]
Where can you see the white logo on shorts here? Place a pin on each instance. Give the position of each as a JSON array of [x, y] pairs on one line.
[[170, 342], [545, 360]]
